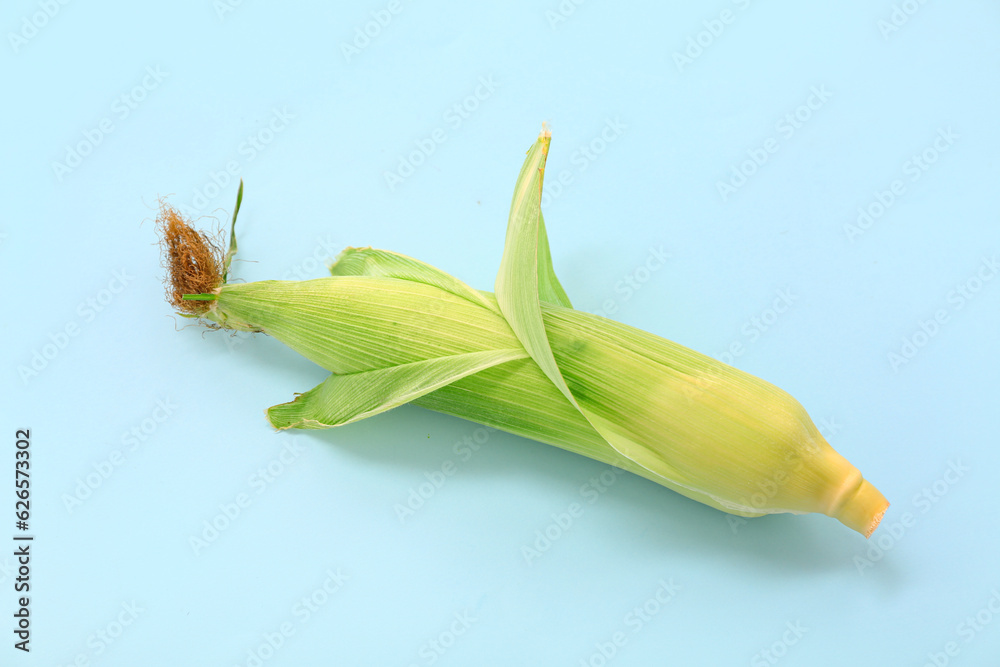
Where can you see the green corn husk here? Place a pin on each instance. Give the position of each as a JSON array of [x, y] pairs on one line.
[[393, 330]]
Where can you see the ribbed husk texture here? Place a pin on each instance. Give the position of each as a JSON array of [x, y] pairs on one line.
[[393, 330]]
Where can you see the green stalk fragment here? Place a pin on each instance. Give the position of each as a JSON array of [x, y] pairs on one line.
[[393, 330]]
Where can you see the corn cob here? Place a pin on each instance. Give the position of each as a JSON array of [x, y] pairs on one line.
[[393, 330]]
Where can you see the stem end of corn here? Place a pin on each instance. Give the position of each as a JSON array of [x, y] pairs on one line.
[[864, 510]]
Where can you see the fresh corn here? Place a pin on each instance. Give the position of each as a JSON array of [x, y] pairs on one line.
[[393, 330]]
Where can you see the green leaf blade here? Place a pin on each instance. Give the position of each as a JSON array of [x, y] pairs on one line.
[[387, 264], [549, 287], [517, 283], [342, 399], [231, 252]]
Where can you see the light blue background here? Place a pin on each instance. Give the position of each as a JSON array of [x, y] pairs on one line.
[[318, 184]]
